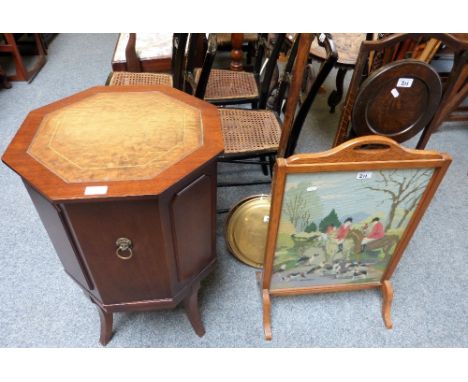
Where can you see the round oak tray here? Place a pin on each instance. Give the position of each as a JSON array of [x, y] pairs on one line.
[[246, 229], [386, 106]]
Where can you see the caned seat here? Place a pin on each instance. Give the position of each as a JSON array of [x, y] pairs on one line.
[[227, 84], [249, 131], [132, 74], [130, 78]]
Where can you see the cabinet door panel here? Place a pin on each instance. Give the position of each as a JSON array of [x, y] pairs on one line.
[[193, 227], [52, 220], [97, 226]]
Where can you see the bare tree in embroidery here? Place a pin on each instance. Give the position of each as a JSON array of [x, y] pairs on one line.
[[301, 206], [404, 189]]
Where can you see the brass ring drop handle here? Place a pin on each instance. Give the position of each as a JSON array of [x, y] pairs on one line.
[[124, 245]]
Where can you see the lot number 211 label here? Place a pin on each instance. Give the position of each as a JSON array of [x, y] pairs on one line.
[[404, 83], [364, 175]]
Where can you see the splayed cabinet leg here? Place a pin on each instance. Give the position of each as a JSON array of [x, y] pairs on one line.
[[106, 326], [266, 314], [192, 311], [387, 294]]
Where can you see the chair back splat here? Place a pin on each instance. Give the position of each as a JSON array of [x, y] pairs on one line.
[[200, 87], [269, 68], [293, 121], [305, 41], [179, 43], [285, 77], [325, 41], [133, 62]]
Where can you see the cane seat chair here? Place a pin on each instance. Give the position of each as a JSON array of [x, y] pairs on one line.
[[135, 75], [251, 134], [396, 93], [228, 87]]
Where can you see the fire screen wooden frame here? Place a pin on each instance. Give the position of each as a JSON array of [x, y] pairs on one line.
[[361, 179]]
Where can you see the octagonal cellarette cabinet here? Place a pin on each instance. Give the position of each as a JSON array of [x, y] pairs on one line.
[[124, 181]]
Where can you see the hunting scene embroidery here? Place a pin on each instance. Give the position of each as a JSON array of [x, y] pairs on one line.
[[339, 228]]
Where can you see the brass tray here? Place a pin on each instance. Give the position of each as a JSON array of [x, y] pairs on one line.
[[246, 229]]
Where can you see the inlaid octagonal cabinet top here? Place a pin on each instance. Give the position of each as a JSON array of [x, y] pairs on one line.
[[115, 141]]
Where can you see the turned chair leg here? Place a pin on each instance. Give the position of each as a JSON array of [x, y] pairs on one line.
[[271, 160], [336, 95], [192, 311], [263, 158], [106, 326]]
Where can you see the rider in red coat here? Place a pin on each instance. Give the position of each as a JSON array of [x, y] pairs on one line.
[[343, 232], [376, 232]]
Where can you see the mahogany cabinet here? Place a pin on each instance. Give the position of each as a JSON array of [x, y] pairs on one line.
[[124, 180]]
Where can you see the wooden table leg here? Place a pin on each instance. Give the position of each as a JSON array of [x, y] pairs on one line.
[[192, 311], [387, 294], [106, 326], [236, 53]]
